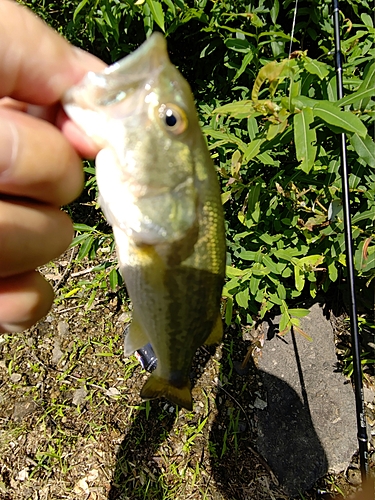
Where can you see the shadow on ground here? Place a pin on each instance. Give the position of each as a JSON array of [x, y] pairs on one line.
[[135, 476], [294, 455]]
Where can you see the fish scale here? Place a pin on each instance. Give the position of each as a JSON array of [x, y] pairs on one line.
[[158, 188]]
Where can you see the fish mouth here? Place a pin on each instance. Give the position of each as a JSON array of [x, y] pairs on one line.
[[120, 80], [150, 56]]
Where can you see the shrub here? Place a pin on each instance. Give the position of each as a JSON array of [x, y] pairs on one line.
[[273, 123]]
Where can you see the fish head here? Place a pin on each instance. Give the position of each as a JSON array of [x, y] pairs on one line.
[[141, 112]]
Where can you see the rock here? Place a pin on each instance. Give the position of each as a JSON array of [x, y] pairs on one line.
[[63, 328], [23, 475], [260, 404], [15, 378], [309, 425], [112, 392], [57, 353], [79, 396], [23, 408], [125, 317], [354, 476], [81, 486]]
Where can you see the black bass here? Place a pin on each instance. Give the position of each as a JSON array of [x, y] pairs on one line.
[[159, 191]]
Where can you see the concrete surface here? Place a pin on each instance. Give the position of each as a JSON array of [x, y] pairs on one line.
[[309, 423]]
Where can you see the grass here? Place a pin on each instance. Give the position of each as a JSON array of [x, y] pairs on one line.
[[88, 432]]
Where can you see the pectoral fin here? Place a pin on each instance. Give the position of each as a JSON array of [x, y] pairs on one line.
[[135, 338], [157, 387], [216, 333]]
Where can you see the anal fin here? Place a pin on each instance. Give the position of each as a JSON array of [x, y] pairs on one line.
[[157, 387], [135, 338]]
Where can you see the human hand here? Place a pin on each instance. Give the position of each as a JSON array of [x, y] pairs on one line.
[[40, 167]]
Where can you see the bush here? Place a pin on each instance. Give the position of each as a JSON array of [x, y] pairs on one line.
[[273, 125]]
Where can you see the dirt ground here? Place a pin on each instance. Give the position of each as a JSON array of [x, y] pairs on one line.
[[72, 424]]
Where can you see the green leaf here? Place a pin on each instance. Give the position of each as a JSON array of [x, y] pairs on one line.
[[84, 228], [356, 96], [276, 128], [230, 286], [253, 149], [270, 264], [332, 271], [80, 238], [226, 196], [252, 127], [86, 247], [266, 159], [79, 8], [274, 12], [329, 113], [235, 163], [71, 292], [316, 67], [157, 13], [275, 299], [367, 84], [301, 101], [299, 278], [271, 72], [216, 134], [110, 19], [310, 261], [254, 285], [305, 139], [113, 279], [253, 196], [299, 313], [239, 109], [368, 263], [238, 44], [242, 298], [228, 311], [245, 62], [171, 6], [364, 147], [367, 21], [247, 255], [259, 270], [91, 298], [190, 14], [286, 254], [367, 215], [268, 239], [284, 322], [281, 291]]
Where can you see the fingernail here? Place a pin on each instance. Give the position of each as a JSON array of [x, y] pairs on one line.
[[10, 328], [9, 141]]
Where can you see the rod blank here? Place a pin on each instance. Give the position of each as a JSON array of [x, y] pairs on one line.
[[357, 368]]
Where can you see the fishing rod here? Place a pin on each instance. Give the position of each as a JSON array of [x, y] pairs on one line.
[[357, 368]]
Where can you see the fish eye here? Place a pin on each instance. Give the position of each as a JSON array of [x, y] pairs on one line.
[[173, 118]]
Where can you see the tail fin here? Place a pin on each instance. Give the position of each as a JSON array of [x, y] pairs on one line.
[[157, 387]]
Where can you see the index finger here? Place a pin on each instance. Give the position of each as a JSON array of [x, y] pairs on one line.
[[37, 65]]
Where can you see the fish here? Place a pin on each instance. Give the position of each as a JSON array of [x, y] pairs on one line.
[[159, 190]]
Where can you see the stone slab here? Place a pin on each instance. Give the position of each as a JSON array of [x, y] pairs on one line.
[[309, 424]]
